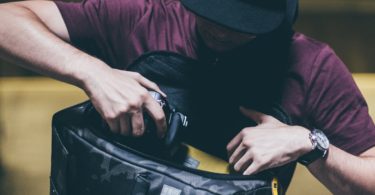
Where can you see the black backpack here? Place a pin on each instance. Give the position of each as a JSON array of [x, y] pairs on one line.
[[88, 159]]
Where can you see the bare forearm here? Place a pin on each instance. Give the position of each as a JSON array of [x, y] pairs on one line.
[[26, 41], [343, 173]]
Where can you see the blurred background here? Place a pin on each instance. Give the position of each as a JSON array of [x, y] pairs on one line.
[[28, 100]]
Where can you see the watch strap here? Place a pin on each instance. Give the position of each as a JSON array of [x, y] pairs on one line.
[[316, 152], [312, 156]]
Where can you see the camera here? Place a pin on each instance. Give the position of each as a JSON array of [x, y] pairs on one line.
[[176, 122]]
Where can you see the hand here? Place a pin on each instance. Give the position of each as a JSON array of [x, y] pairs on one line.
[[121, 96], [269, 144]]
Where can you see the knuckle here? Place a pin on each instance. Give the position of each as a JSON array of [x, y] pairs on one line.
[[109, 117], [123, 109], [134, 103], [247, 143], [159, 118], [137, 75], [143, 94], [243, 133]]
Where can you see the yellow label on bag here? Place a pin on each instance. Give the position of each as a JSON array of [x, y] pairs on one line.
[[207, 162]]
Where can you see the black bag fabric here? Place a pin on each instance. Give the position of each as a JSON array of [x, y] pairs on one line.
[[88, 159]]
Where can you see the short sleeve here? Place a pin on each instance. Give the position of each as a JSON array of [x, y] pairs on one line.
[[335, 105], [95, 26]]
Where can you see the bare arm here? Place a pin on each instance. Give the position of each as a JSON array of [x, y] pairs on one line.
[[272, 143], [343, 173], [27, 40], [34, 35]]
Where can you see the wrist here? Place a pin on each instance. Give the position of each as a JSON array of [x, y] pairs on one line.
[[88, 71], [320, 146], [305, 145]]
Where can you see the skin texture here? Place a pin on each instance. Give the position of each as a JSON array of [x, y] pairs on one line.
[[257, 148], [272, 143], [33, 35]]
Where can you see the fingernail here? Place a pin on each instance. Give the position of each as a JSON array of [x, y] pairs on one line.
[[162, 93]]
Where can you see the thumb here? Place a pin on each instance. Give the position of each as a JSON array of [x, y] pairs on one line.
[[257, 117]]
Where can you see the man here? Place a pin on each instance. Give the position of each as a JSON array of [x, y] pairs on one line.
[[317, 90]]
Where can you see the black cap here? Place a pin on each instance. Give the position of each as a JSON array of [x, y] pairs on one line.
[[248, 16]]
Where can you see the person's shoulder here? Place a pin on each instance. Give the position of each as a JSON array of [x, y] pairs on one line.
[[307, 47], [308, 53]]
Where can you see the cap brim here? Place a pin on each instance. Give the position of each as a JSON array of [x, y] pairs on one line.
[[238, 15]]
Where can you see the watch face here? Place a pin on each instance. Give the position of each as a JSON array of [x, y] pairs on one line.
[[321, 139]]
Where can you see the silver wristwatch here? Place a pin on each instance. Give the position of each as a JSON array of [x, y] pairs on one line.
[[320, 146]]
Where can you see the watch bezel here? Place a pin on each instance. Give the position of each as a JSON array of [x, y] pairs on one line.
[[319, 136], [319, 149]]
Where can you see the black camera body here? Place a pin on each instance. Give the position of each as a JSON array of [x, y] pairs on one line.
[[176, 122], [148, 142]]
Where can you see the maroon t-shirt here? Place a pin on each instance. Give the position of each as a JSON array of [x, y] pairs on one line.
[[319, 90]]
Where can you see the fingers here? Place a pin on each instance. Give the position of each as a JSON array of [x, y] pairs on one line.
[[114, 125], [234, 143], [257, 117], [237, 154], [149, 84], [247, 165], [128, 124], [157, 114], [137, 123], [121, 102], [129, 119], [244, 162], [252, 169], [124, 124], [252, 114]]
